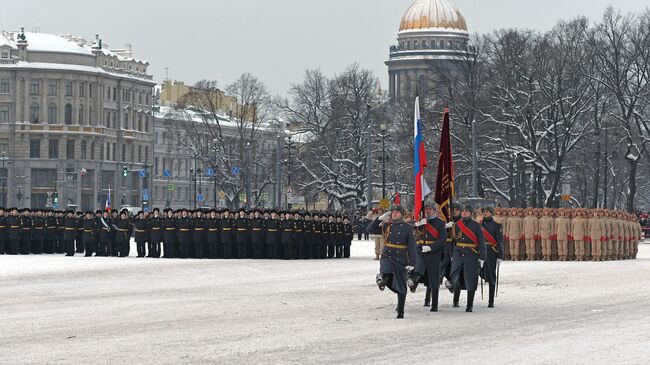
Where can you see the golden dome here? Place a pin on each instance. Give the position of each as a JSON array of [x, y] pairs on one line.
[[427, 14]]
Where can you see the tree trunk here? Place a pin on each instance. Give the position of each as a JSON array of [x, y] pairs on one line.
[[596, 187], [632, 183]]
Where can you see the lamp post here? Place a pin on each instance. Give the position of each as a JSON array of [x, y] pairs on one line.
[[382, 126], [199, 171], [248, 175], [4, 181]]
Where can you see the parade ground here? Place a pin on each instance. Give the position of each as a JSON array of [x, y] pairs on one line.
[[56, 309]]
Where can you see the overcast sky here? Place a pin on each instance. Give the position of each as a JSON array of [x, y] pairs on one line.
[[276, 40]]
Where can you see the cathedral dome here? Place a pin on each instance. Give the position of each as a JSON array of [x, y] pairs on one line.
[[432, 14]]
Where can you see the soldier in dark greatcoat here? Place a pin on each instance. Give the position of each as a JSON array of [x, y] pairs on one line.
[[492, 232], [242, 237], [286, 236], [398, 255], [3, 231], [105, 235], [25, 232], [88, 233], [298, 235], [123, 230], [155, 233], [79, 233], [198, 234], [226, 225], [349, 236], [212, 235], [257, 235], [272, 236], [184, 234], [140, 228], [13, 232], [332, 236], [38, 232], [70, 232], [169, 225], [431, 238], [468, 257]]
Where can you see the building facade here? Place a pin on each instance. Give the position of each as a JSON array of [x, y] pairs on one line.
[[74, 116], [430, 32]]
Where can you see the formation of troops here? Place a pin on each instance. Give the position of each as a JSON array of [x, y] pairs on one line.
[[473, 245], [223, 234]]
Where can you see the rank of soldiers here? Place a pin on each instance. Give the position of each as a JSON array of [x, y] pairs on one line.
[[223, 234], [473, 245]]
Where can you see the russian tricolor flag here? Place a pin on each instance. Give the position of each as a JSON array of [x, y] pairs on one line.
[[420, 161]]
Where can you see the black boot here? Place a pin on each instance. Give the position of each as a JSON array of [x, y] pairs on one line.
[[401, 300], [427, 297], [380, 282], [456, 297], [470, 300], [412, 282], [491, 298]]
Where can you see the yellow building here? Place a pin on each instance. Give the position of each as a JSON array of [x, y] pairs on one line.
[[172, 91]]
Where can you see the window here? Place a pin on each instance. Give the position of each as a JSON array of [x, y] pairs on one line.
[[123, 152], [34, 87], [43, 178], [146, 153], [114, 93], [4, 87], [68, 88], [92, 150], [69, 149], [68, 114], [52, 88], [34, 112], [81, 114], [51, 113], [132, 153], [139, 98], [156, 166], [53, 149], [4, 113], [139, 122], [90, 91], [114, 149], [146, 123], [101, 151], [35, 148], [114, 124], [139, 153], [90, 115], [126, 120], [82, 90], [83, 149], [5, 55]]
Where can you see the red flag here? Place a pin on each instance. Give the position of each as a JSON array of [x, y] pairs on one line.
[[397, 200], [445, 181]]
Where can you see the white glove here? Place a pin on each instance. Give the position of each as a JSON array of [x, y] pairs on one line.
[[426, 249], [499, 261], [480, 262], [421, 222], [449, 225], [384, 217], [409, 268]]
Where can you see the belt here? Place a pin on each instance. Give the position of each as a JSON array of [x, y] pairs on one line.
[[156, 229], [2, 227], [26, 229], [273, 230], [213, 229], [226, 229], [288, 230], [88, 230], [298, 230], [467, 245], [170, 229], [185, 230], [241, 229], [66, 228], [401, 247], [257, 229], [316, 231], [38, 227], [106, 229], [122, 230], [198, 229], [140, 230], [425, 242]]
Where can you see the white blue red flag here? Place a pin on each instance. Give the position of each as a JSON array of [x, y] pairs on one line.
[[108, 200], [420, 162]]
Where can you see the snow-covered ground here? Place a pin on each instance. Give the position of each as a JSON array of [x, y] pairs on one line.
[[56, 309]]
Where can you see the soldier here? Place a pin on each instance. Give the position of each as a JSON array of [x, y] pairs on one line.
[[321, 235], [198, 234], [298, 236], [308, 239], [597, 232], [531, 231], [638, 235], [515, 230], [212, 226], [445, 265], [140, 227], [562, 226], [379, 239], [105, 235], [431, 237], [501, 218], [242, 225], [495, 252], [25, 232], [226, 224], [87, 235], [615, 235], [469, 256], [3, 231], [398, 256], [332, 237], [272, 226], [256, 235], [70, 227], [169, 234], [79, 233], [184, 234], [60, 245], [154, 233], [579, 233], [349, 236], [13, 232], [286, 236], [38, 232], [546, 231], [340, 236], [123, 230]]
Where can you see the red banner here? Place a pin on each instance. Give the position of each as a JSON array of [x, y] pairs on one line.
[[445, 178]]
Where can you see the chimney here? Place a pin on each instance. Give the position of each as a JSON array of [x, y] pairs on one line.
[[22, 45]]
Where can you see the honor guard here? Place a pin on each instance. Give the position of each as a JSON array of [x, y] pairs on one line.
[[154, 232], [495, 251]]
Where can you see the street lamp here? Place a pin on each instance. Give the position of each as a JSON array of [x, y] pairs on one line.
[[289, 144], [383, 128], [4, 180]]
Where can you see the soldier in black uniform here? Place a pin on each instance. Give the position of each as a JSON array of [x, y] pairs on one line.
[[184, 234], [272, 236], [25, 232], [468, 256], [257, 235], [340, 237], [79, 233], [3, 231], [242, 238], [398, 256], [213, 236], [307, 236], [317, 235], [431, 239], [13, 232], [198, 234], [226, 226], [97, 234], [333, 236], [286, 236], [445, 265], [155, 233], [38, 232], [70, 232], [495, 251], [169, 225], [105, 235], [140, 228], [123, 228], [349, 236], [115, 216], [60, 220], [88, 231]]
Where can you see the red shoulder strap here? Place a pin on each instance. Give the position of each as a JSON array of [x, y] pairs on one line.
[[467, 232], [489, 237], [432, 231]]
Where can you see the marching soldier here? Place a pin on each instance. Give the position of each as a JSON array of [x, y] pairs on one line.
[[398, 256], [155, 234], [597, 232], [445, 265], [140, 227], [495, 251], [515, 230], [468, 258], [169, 234], [349, 236], [431, 239]]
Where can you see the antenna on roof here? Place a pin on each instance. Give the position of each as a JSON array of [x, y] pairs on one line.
[[166, 73]]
